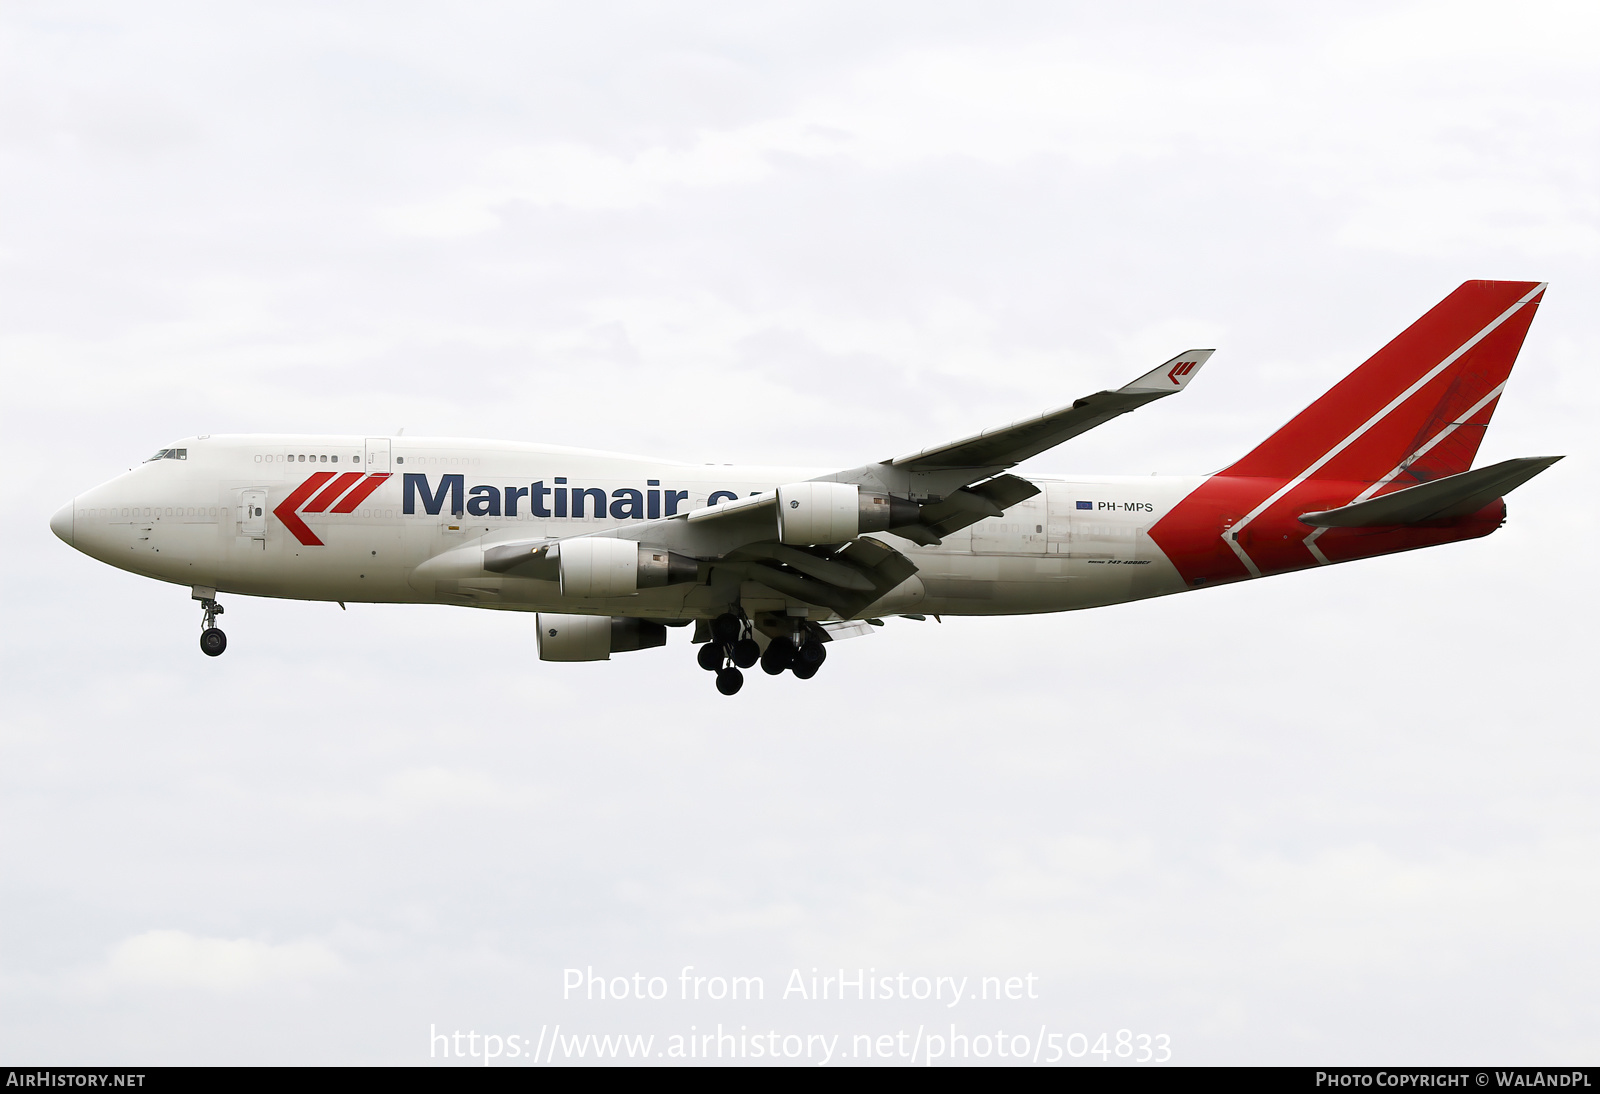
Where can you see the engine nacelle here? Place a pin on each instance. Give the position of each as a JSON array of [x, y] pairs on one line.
[[595, 637], [658, 567], [836, 512], [880, 512], [818, 512], [618, 567]]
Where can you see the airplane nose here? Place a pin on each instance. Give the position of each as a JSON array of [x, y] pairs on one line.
[[61, 523]]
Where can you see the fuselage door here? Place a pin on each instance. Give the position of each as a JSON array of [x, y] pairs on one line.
[[377, 453], [253, 514]]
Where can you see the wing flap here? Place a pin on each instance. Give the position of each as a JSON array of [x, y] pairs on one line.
[[966, 506], [881, 567]]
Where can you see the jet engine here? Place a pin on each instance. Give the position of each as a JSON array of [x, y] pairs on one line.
[[836, 512], [619, 567], [595, 637]]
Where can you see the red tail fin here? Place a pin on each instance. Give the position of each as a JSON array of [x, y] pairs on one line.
[[1420, 404]]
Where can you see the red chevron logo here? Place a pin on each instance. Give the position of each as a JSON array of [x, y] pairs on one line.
[[1182, 368], [326, 493]]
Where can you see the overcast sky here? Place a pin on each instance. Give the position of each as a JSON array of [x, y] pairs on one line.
[[1335, 817]]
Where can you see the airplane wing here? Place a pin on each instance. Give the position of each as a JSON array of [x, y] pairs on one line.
[[1011, 444], [936, 491]]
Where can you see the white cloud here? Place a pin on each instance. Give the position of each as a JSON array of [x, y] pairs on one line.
[[177, 959], [419, 792]]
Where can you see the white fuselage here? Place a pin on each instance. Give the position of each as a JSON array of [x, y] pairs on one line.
[[207, 520]]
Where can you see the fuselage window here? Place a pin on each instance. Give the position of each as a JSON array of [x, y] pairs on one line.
[[336, 459], [324, 459], [397, 459]]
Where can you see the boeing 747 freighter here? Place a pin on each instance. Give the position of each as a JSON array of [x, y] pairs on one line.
[[770, 564]]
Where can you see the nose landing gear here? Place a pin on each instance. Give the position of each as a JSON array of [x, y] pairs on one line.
[[212, 640]]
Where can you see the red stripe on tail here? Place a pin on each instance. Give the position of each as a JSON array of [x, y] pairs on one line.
[[1388, 374], [1416, 410]]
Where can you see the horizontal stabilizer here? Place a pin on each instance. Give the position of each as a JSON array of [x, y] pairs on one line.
[[1440, 499]]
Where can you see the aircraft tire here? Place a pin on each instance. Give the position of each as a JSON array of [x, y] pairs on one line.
[[710, 657], [803, 671], [746, 652], [779, 655], [726, 628], [812, 653], [729, 681], [213, 642]]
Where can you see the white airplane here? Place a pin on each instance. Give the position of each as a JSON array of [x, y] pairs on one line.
[[771, 563]]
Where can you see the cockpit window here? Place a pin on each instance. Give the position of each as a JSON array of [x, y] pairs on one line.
[[169, 454], [161, 455]]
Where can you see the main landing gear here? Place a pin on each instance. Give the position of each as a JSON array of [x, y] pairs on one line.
[[801, 653], [212, 640], [733, 647]]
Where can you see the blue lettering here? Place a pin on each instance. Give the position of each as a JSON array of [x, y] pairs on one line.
[[720, 496], [431, 504], [629, 504], [625, 503], [485, 502]]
